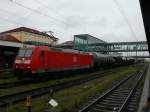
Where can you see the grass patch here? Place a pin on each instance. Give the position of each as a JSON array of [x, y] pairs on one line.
[[12, 90], [72, 97], [78, 95], [13, 79]]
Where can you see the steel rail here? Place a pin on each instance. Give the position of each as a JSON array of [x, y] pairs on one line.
[[24, 82], [123, 107], [88, 107], [20, 96]]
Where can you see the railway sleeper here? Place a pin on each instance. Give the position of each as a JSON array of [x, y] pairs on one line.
[[112, 101], [108, 104], [100, 110], [120, 94], [106, 107], [117, 99], [122, 91]]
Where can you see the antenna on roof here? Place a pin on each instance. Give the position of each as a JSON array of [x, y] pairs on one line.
[[49, 33]]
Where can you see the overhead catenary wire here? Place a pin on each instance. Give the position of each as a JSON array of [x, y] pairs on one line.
[[18, 24], [10, 21], [16, 15], [56, 12], [128, 23], [50, 9], [126, 19], [11, 13], [67, 25], [39, 12], [13, 22]]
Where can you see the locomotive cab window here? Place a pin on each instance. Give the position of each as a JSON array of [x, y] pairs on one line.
[[25, 52], [28, 52], [42, 54], [21, 53]]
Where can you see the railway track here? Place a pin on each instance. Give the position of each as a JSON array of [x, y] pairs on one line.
[[25, 82], [117, 98], [16, 97], [5, 70], [14, 84], [5, 73]]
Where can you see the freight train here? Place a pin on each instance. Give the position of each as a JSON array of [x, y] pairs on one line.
[[43, 60]]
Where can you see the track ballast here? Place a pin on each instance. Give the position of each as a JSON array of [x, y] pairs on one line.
[[116, 98]]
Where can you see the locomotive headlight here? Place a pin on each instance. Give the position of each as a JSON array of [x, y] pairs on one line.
[[17, 61], [27, 61]]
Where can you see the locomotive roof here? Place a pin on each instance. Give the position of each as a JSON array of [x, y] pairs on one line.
[[67, 50]]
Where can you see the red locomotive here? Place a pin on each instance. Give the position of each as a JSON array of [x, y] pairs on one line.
[[36, 60], [39, 60]]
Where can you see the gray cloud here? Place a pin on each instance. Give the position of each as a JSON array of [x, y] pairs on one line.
[[66, 18]]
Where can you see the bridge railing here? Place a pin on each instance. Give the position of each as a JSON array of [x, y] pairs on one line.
[[114, 47]]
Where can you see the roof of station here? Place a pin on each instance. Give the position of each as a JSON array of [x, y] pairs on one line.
[[90, 38], [67, 43], [8, 38], [25, 29]]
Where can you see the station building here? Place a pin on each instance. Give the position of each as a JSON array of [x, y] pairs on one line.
[[81, 42], [66, 45], [84, 41], [8, 50], [11, 40], [31, 36]]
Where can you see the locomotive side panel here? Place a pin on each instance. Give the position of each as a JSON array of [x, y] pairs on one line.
[[57, 60], [39, 60]]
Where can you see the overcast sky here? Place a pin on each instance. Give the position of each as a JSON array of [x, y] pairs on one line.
[[110, 20]]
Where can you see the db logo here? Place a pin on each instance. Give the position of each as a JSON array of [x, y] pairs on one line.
[[74, 59]]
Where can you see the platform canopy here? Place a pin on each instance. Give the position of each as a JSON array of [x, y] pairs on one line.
[[145, 8]]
